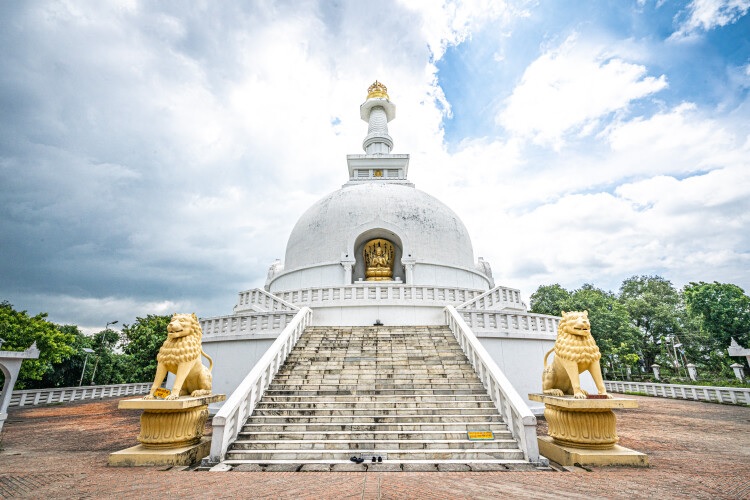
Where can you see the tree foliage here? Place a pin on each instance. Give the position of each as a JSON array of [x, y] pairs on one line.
[[549, 299], [20, 331], [610, 323], [650, 321], [656, 310], [723, 310], [141, 344]]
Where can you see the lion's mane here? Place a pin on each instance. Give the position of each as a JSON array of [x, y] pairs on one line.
[[182, 349], [581, 349]]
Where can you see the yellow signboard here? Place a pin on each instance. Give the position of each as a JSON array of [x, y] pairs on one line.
[[480, 435], [162, 393]]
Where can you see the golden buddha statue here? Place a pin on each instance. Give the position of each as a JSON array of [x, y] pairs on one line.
[[379, 256]]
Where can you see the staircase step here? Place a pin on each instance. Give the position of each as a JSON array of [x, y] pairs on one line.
[[337, 405], [391, 454], [426, 411], [360, 435], [376, 398], [411, 426], [377, 419], [372, 444]]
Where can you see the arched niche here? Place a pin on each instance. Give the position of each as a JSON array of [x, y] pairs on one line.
[[358, 270]]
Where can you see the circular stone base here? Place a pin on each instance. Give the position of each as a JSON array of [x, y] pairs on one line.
[[592, 428]]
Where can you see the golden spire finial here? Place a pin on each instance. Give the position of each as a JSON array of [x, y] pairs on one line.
[[377, 90]]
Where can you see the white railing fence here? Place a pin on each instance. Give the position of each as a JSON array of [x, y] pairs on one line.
[[262, 301], [733, 395], [240, 405], [32, 397], [516, 413], [510, 323], [499, 297], [369, 291], [245, 324]]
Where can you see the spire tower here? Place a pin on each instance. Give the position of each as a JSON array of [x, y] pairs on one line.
[[377, 111], [378, 164]]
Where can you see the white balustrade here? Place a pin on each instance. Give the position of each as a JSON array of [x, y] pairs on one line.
[[240, 405], [517, 415], [733, 395], [245, 323], [262, 301], [33, 397], [510, 323], [369, 291], [499, 297]]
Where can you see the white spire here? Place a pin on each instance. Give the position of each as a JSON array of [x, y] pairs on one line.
[[377, 111], [378, 164]]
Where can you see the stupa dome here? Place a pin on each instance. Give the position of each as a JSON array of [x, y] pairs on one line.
[[422, 241]]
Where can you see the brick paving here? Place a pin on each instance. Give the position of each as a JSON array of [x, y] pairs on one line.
[[696, 450]]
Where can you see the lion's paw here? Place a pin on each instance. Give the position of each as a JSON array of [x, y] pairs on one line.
[[172, 397], [149, 396], [554, 392], [609, 396], [200, 392], [580, 395]]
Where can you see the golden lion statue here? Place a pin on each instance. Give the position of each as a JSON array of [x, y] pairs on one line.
[[575, 352], [181, 354]]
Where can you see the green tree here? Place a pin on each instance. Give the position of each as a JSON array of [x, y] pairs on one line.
[[549, 299], [109, 367], [723, 308], [141, 343], [67, 372], [610, 324], [656, 310], [722, 312], [19, 330]]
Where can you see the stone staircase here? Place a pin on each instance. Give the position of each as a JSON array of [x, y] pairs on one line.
[[404, 394]]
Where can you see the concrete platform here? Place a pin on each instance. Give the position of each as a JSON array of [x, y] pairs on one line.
[[566, 455], [140, 455]]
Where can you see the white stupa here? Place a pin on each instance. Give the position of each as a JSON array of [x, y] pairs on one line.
[[378, 250]]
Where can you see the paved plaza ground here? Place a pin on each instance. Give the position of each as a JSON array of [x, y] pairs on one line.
[[697, 450]]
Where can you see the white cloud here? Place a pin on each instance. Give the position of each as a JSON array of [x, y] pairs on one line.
[[156, 160], [705, 15], [451, 22], [570, 88]]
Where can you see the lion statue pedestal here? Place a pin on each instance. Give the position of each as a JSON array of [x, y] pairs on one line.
[[171, 431], [172, 427], [582, 428]]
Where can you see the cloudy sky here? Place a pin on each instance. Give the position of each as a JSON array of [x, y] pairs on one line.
[[154, 156]]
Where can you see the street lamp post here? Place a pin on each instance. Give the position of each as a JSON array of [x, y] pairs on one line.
[[87, 351], [106, 329]]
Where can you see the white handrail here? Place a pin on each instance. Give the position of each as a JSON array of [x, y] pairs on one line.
[[731, 395], [33, 397], [508, 322], [265, 301], [496, 298], [520, 420], [385, 293], [245, 323], [240, 405]]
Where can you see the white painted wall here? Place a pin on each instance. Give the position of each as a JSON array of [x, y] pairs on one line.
[[388, 315], [233, 359], [522, 361]]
